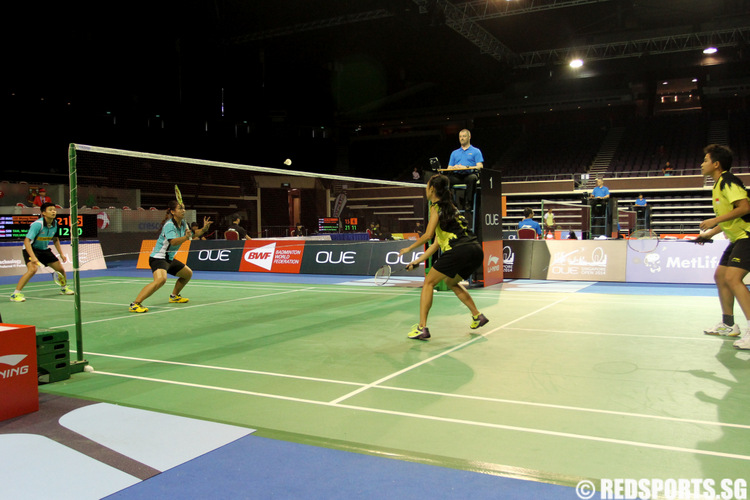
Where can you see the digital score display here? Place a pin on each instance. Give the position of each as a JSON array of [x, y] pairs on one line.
[[15, 227], [328, 225], [354, 224]]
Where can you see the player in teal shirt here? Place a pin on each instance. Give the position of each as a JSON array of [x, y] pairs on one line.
[[174, 232], [36, 251]]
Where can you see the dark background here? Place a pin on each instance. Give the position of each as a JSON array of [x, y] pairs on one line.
[[362, 87]]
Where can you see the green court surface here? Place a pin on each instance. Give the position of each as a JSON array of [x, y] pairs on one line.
[[558, 387]]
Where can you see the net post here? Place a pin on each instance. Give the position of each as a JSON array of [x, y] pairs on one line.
[[78, 365]]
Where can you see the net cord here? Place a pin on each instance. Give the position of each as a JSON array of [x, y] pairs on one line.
[[236, 166]]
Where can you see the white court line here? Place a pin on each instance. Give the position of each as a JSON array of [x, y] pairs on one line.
[[701, 338], [174, 309], [514, 428], [420, 391], [224, 368], [444, 353]]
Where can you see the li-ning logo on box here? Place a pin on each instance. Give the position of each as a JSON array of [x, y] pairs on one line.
[[12, 360]]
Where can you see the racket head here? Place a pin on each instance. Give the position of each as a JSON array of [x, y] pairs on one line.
[[59, 278], [178, 195], [643, 241], [382, 275]]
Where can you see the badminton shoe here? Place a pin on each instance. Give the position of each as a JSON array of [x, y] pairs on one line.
[[178, 299], [136, 307], [18, 297], [417, 333], [744, 342], [479, 320], [66, 291], [723, 330]]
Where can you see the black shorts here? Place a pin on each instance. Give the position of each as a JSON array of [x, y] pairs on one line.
[[45, 256], [462, 260], [171, 266], [737, 254]]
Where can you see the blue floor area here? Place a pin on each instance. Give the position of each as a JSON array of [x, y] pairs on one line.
[[679, 289], [250, 468]]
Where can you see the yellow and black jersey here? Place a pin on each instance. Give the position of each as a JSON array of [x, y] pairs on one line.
[[728, 190], [455, 233]]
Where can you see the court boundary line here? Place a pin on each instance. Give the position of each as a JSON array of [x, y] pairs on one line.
[[422, 391], [567, 435]]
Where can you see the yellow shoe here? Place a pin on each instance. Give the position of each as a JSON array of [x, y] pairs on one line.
[[136, 307], [417, 333], [18, 297], [178, 299]]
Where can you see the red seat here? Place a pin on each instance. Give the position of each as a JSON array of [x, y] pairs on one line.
[[526, 233], [231, 234]]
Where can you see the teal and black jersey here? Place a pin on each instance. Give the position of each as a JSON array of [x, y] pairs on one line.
[[41, 234], [163, 250]]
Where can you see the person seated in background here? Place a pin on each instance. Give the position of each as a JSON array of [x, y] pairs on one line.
[[464, 165], [374, 231], [41, 198], [529, 222], [195, 228], [667, 170], [419, 228], [235, 225], [598, 198], [299, 230], [640, 201]]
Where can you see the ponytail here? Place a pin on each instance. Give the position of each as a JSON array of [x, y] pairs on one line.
[[447, 210]]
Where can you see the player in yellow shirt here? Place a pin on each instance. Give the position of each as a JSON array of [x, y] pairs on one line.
[[732, 208]]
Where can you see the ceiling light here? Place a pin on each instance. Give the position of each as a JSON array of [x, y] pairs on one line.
[[576, 63], [710, 50]]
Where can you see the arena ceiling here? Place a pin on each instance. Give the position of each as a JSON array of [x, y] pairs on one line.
[[328, 58]]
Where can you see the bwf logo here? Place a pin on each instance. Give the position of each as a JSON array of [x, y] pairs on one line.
[[261, 256], [13, 360]]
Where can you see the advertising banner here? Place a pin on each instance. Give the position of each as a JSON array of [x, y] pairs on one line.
[[494, 262], [218, 255], [492, 205], [675, 262], [590, 260], [89, 253], [18, 373], [272, 256], [517, 257]]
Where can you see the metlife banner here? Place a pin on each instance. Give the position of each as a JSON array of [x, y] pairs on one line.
[[676, 262]]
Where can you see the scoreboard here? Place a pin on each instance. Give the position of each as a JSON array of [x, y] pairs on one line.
[[328, 225], [15, 227], [331, 224], [353, 224]]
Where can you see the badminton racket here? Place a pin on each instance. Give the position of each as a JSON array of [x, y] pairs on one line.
[[57, 276], [646, 241], [383, 274]]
